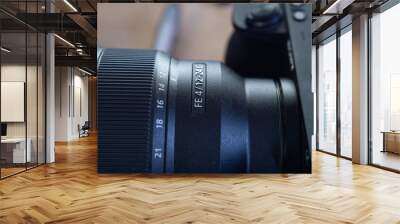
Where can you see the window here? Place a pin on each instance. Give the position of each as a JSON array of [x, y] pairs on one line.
[[22, 91], [346, 93], [313, 87], [327, 96], [14, 153], [385, 89]]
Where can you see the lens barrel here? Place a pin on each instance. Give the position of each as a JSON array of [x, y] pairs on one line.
[[157, 114]]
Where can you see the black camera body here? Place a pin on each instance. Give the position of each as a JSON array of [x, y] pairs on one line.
[[274, 41], [157, 114]]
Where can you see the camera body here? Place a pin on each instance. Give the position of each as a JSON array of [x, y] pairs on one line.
[[157, 114], [274, 41]]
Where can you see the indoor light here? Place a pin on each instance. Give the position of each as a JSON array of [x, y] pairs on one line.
[[5, 50], [64, 40], [335, 4], [84, 71], [70, 5], [79, 51]]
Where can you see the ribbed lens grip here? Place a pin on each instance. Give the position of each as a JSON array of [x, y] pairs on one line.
[[125, 85]]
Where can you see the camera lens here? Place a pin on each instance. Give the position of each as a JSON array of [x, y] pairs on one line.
[[161, 115]]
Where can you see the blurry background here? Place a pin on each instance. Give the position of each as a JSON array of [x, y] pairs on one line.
[[203, 33]]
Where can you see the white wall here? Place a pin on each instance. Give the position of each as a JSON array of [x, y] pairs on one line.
[[17, 73], [70, 83], [62, 82], [13, 101], [79, 117], [33, 126], [14, 72]]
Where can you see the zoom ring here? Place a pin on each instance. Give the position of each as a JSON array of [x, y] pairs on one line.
[[125, 90]]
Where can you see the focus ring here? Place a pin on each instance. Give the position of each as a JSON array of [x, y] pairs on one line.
[[125, 90]]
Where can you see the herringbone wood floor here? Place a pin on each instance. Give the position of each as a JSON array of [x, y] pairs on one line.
[[71, 191]]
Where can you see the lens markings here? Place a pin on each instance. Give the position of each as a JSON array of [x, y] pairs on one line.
[[199, 76]]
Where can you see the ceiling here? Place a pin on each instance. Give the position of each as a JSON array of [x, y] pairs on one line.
[[76, 22], [328, 15]]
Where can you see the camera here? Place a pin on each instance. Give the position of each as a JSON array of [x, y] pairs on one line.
[[251, 114]]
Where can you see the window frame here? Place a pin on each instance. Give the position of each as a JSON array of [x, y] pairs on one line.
[[333, 37], [378, 10]]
